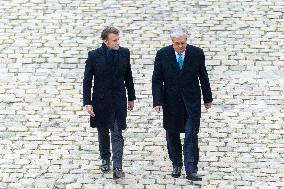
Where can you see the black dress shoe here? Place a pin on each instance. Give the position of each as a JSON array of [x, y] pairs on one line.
[[176, 172], [118, 173], [193, 177], [105, 167]]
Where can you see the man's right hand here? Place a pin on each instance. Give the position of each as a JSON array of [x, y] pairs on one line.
[[159, 109], [89, 109]]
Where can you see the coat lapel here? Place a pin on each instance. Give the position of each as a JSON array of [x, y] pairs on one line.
[[102, 56], [173, 59], [105, 66], [118, 63], [187, 58], [186, 61]]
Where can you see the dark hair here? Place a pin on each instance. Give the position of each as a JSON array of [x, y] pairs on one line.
[[108, 30]]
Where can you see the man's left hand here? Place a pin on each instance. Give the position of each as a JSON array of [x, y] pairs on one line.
[[130, 105], [208, 105]]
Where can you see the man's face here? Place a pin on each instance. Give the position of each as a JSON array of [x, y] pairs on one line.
[[112, 41], [179, 43]]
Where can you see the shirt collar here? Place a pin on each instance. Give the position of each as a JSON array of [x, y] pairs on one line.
[[183, 53]]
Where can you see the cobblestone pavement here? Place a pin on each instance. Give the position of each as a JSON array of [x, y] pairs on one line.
[[45, 138]]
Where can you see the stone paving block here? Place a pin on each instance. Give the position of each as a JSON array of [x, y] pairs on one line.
[[45, 136]]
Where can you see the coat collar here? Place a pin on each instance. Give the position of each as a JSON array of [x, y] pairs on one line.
[[114, 68], [173, 59]]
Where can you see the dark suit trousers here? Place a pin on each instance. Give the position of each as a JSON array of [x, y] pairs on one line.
[[117, 143], [190, 148]]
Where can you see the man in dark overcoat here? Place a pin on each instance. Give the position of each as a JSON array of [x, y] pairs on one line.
[[107, 76], [179, 71]]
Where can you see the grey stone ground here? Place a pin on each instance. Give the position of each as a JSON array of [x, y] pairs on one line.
[[45, 139]]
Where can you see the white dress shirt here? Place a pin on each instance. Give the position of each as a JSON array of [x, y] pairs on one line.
[[183, 54]]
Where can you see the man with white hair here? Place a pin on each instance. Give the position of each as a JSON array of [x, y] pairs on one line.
[[179, 73]]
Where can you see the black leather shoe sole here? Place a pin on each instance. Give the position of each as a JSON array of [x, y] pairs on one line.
[[105, 169], [176, 172], [118, 175], [176, 175], [193, 178]]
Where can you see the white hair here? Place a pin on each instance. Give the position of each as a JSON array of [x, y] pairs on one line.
[[178, 32]]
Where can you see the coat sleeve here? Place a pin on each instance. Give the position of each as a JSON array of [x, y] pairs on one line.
[[129, 80], [87, 81], [204, 80], [157, 81]]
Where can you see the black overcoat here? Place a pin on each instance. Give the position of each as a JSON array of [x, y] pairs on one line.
[[110, 82], [178, 91]]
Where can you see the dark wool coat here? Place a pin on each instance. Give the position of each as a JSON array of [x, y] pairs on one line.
[[178, 91], [108, 95]]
